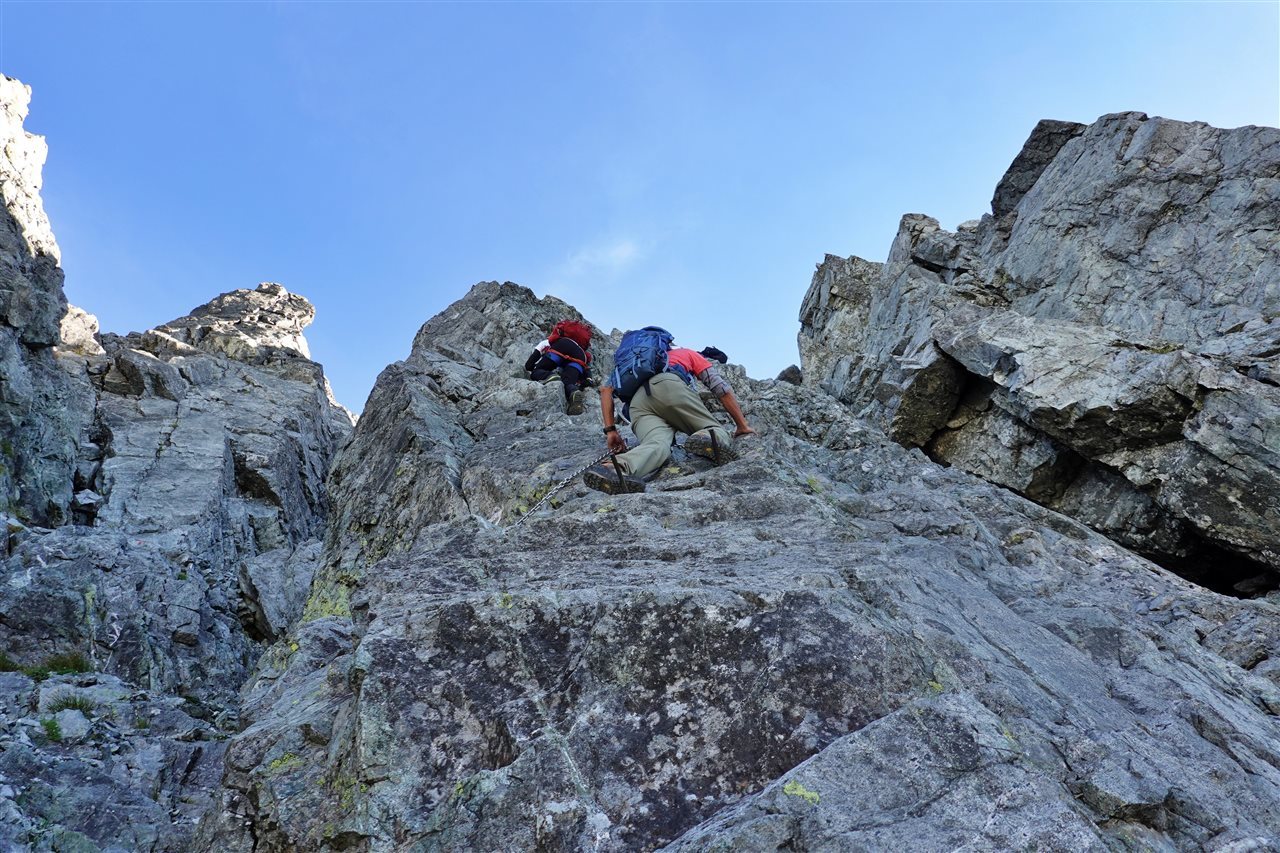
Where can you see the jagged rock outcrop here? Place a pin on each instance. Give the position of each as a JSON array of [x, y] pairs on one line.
[[209, 480], [78, 333], [165, 508], [791, 374], [44, 408], [831, 643], [1104, 343], [1046, 140]]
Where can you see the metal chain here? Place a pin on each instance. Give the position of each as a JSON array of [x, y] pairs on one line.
[[566, 481]]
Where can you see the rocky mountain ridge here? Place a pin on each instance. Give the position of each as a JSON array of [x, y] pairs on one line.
[[231, 621]]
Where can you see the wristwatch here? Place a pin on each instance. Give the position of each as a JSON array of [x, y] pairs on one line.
[[609, 429]]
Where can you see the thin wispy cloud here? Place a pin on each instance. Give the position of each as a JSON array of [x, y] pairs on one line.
[[588, 277], [601, 258]]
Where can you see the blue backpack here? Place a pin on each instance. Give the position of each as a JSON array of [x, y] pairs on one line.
[[641, 356]]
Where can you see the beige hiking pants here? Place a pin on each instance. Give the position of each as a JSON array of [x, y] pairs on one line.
[[670, 407]]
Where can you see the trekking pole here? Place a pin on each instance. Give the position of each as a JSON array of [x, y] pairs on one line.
[[566, 481]]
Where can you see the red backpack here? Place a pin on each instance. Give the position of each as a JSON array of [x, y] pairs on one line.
[[577, 332]]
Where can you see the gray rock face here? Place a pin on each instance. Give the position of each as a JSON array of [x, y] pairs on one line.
[[31, 302], [1104, 344], [831, 643], [833, 320]]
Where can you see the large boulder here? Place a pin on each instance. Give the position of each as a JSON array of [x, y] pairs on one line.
[[1105, 342]]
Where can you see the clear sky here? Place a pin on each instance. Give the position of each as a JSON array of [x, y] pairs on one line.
[[679, 164]]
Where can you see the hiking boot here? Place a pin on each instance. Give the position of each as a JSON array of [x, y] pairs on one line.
[[705, 443], [575, 403], [611, 481], [555, 377]]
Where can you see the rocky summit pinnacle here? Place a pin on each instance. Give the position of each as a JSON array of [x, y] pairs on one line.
[[911, 614], [248, 325]]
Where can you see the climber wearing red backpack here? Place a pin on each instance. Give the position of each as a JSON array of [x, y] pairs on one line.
[[567, 350]]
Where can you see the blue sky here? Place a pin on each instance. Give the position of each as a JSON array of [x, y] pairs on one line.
[[677, 164]]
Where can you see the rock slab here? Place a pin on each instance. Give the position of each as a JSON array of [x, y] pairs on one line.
[[830, 643]]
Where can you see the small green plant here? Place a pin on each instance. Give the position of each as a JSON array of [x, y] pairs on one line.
[[182, 575], [141, 723], [52, 730], [68, 700], [67, 664], [36, 672]]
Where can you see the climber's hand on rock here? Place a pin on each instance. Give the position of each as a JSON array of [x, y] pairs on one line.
[[616, 442]]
